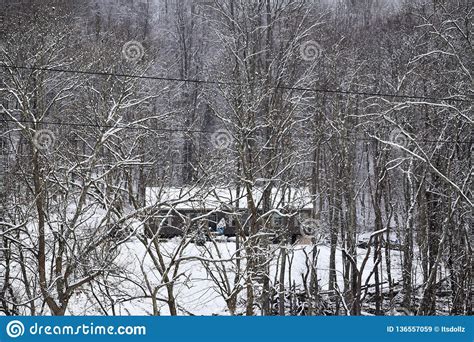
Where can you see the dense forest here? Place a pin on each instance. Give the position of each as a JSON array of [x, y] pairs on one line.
[[365, 106]]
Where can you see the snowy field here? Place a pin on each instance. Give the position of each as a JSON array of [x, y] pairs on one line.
[[195, 292]]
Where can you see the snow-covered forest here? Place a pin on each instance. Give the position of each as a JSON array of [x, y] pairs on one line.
[[236, 157]]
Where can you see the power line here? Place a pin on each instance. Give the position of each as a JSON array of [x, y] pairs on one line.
[[77, 124], [198, 81], [74, 124]]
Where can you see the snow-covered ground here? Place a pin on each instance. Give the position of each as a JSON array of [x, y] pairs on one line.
[[195, 292]]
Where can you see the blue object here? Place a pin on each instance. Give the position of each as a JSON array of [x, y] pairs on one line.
[[237, 328]]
